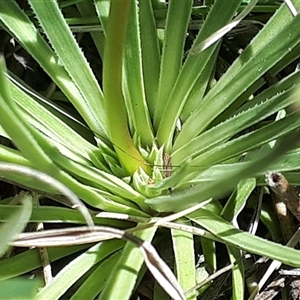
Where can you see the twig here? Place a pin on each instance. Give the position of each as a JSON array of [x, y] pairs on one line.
[[287, 194]]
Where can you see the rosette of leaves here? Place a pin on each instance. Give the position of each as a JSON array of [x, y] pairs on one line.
[[165, 132]]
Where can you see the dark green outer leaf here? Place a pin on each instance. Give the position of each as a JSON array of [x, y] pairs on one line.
[[217, 135], [270, 46], [243, 240], [68, 51], [31, 259], [223, 11]]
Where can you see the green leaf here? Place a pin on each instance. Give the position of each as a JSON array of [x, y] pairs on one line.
[[95, 282], [26, 33], [244, 240], [248, 141], [223, 30], [31, 259], [261, 107], [125, 272], [87, 9], [150, 53], [112, 84], [15, 223], [184, 251], [172, 53], [134, 89], [191, 70], [20, 288], [238, 277], [68, 51], [220, 183], [76, 268], [18, 173], [238, 198], [275, 41], [51, 125], [15, 126], [52, 214], [13, 156], [208, 245]]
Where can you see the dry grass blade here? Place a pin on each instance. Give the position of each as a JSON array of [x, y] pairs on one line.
[[82, 235], [222, 31], [179, 214], [67, 236], [291, 7], [211, 278], [274, 266], [161, 272], [272, 289]]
